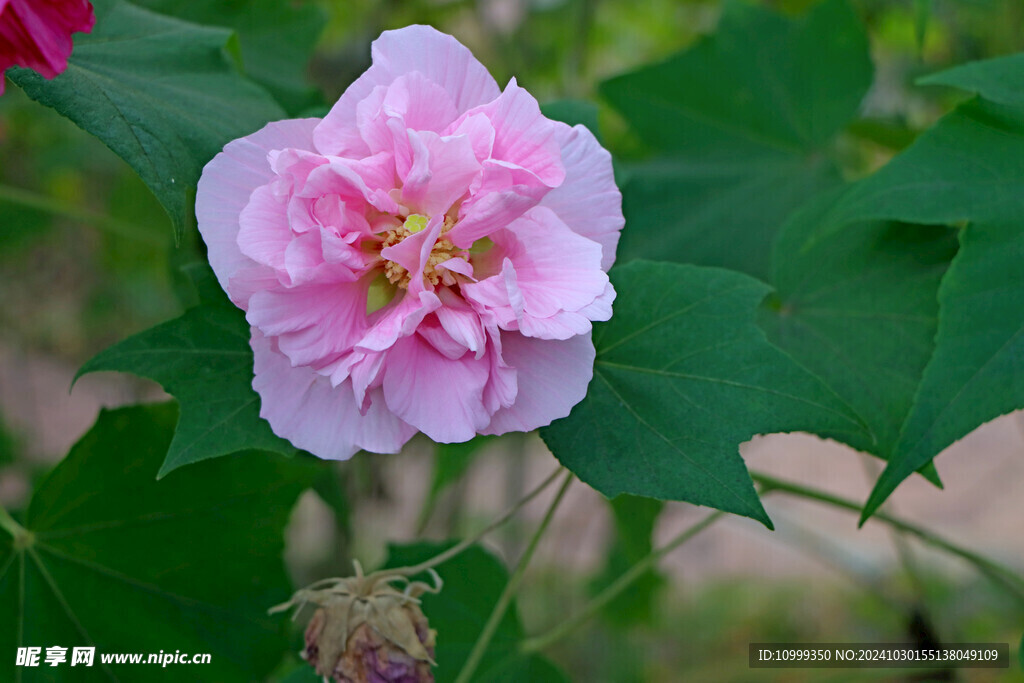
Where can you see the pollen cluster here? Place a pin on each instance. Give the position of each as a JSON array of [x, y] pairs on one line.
[[443, 250]]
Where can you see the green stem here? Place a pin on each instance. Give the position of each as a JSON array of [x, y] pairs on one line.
[[543, 641], [47, 204], [999, 574], [466, 543], [505, 599], [22, 536]]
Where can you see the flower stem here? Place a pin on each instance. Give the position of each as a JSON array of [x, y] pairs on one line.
[[996, 572], [466, 543], [627, 579], [47, 204], [505, 599]]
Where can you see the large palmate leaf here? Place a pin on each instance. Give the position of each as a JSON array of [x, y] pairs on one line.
[[965, 171], [121, 562], [203, 359], [473, 581], [860, 310], [276, 39], [742, 123], [977, 371], [161, 93], [682, 377]]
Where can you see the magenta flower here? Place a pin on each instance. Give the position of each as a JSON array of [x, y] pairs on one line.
[[428, 257], [37, 33]]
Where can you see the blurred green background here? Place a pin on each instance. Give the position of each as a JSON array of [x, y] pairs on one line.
[[88, 257]]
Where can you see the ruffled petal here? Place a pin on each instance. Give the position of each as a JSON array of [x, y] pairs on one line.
[[552, 377], [226, 185], [37, 35], [441, 171], [313, 323], [264, 232], [523, 136], [549, 276], [302, 407], [437, 56], [398, 319], [441, 397], [588, 200]]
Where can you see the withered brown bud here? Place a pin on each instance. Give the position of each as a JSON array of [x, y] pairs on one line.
[[366, 655], [367, 631]]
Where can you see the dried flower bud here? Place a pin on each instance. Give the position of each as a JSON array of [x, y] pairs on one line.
[[366, 655], [367, 631]]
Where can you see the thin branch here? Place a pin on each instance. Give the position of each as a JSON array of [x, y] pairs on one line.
[[505, 599], [627, 579], [1003, 576], [463, 545]]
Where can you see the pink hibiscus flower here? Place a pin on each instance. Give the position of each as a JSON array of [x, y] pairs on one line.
[[37, 33], [428, 257]]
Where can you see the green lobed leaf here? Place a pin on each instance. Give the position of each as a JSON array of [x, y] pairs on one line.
[[124, 563], [160, 92], [742, 123], [203, 359], [965, 171], [276, 39], [634, 518], [860, 310], [998, 80], [975, 374], [683, 376], [473, 581]]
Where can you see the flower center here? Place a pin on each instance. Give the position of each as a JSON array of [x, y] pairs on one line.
[[442, 250]]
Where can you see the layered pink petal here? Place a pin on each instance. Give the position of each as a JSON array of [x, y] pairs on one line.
[[399, 319], [441, 397], [460, 322], [552, 377], [525, 163], [226, 185], [487, 335], [441, 171], [588, 200], [437, 56], [542, 292], [363, 180], [523, 136], [503, 382], [313, 324], [306, 409], [265, 229]]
